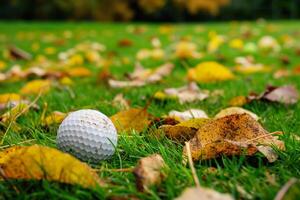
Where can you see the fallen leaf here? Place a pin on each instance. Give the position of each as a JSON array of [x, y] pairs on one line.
[[18, 54], [196, 193], [185, 50], [208, 72], [189, 93], [55, 117], [149, 171], [235, 110], [269, 44], [281, 73], [238, 101], [247, 65], [142, 76], [285, 94], [185, 130], [41, 162], [36, 87], [9, 99], [231, 135], [2, 65], [79, 72], [14, 113], [120, 102], [132, 119], [188, 114], [125, 43]]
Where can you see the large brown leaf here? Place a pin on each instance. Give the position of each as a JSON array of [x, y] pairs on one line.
[[233, 135]]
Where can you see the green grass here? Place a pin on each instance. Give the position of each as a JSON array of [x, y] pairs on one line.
[[240, 171]]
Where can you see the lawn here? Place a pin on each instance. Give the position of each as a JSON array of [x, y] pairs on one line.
[[252, 174]]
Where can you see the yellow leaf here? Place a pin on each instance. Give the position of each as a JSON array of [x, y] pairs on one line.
[[40, 162], [163, 96], [194, 123], [132, 119], [185, 50], [79, 72], [66, 81], [50, 50], [8, 97], [36, 87], [14, 113], [207, 72], [252, 69], [236, 44], [2, 65], [238, 101], [75, 59], [55, 117], [232, 135]]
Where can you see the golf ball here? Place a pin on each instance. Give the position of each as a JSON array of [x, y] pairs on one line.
[[88, 135]]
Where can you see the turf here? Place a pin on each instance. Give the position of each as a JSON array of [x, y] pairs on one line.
[[233, 173]]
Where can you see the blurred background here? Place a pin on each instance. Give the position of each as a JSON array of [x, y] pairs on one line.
[[149, 10]]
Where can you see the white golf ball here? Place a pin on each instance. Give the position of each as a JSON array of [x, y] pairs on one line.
[[88, 135]]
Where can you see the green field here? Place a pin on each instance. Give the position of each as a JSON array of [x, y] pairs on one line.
[[249, 173]]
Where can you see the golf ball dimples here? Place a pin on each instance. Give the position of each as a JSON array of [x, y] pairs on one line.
[[88, 135]]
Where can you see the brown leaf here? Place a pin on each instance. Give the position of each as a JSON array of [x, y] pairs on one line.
[[197, 193], [148, 171], [120, 102], [125, 43], [231, 135], [18, 54], [132, 119]]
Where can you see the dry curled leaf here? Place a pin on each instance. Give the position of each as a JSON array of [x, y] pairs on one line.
[[285, 94], [132, 119], [185, 130], [235, 110], [149, 171], [232, 135], [36, 87], [120, 102], [184, 94], [142, 76], [18, 54], [188, 114], [196, 193], [40, 162], [208, 72]]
